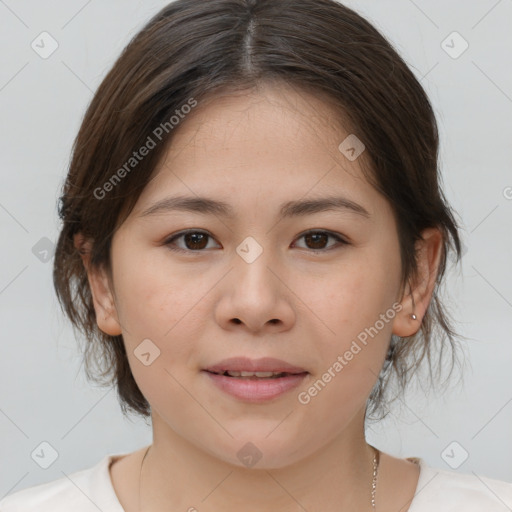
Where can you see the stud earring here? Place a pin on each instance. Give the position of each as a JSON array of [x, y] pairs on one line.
[[413, 316]]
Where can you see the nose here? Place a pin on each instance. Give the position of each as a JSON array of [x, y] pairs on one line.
[[255, 296]]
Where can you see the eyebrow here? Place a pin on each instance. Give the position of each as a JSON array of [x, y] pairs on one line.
[[205, 205]]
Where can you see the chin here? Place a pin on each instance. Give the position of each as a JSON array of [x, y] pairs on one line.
[[261, 451]]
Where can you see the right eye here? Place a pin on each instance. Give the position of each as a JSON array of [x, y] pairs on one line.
[[194, 241]]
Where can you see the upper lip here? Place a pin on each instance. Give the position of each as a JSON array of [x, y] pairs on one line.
[[244, 364]]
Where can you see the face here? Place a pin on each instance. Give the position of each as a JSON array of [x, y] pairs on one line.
[[316, 288]]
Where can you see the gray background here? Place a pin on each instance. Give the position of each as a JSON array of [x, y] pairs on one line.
[[44, 393]]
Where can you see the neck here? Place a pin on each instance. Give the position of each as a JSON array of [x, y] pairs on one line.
[[179, 475]]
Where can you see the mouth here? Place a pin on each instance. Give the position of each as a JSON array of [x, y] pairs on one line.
[[256, 375], [251, 380], [243, 367]]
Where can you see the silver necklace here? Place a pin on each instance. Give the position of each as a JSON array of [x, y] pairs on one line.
[[376, 458]]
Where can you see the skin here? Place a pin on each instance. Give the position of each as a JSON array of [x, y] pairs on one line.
[[256, 151]]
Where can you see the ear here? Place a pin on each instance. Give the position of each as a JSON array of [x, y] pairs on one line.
[[103, 298], [428, 256]]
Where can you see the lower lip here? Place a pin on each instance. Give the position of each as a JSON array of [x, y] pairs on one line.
[[257, 389]]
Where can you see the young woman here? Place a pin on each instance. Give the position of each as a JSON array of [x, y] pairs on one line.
[[253, 239]]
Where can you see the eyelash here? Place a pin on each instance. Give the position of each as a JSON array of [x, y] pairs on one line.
[[169, 242]]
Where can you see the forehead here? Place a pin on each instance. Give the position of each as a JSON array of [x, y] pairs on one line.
[[271, 114], [252, 147]]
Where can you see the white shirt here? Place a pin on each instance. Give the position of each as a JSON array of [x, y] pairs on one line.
[[91, 490]]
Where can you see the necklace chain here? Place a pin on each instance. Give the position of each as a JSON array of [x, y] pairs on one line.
[[376, 458]]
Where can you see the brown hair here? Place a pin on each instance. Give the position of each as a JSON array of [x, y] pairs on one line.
[[194, 49]]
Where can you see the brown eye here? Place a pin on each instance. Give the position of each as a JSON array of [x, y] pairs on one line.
[[317, 240], [193, 241], [197, 241]]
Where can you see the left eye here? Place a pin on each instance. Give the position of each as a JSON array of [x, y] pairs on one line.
[[317, 238], [196, 241]]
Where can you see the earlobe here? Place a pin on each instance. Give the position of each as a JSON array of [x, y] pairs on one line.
[[103, 300], [415, 303]]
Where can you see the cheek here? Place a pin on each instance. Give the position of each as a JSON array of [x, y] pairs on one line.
[[347, 306], [153, 295], [154, 308], [165, 305], [348, 299]]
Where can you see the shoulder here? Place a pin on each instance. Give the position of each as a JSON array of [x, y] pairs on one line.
[[448, 491], [82, 491]]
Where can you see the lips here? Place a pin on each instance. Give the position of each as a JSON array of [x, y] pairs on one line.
[[259, 388], [237, 365]]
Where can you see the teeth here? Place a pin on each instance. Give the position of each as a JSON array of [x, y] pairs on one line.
[[253, 374]]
